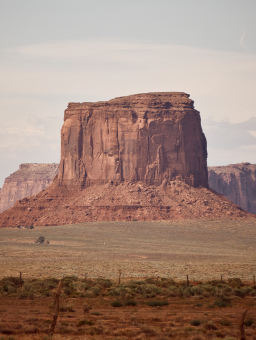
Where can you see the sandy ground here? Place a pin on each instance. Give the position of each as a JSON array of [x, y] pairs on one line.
[[201, 249]]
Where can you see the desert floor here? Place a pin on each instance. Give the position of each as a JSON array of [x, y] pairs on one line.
[[203, 250]]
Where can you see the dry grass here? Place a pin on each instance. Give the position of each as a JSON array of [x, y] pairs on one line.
[[202, 249]]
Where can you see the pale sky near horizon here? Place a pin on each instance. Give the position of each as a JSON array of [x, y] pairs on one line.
[[60, 51]]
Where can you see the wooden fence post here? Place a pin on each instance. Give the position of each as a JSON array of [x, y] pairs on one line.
[[20, 280], [242, 335], [56, 308], [187, 281], [119, 279], [221, 277]]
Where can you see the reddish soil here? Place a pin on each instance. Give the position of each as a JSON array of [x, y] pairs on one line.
[[30, 319]]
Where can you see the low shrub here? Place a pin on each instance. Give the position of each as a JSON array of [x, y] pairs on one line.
[[209, 326], [235, 282], [195, 322], [66, 307], [116, 304], [92, 292], [131, 303], [84, 322], [105, 283], [225, 322], [197, 290], [121, 291], [189, 329], [240, 293], [222, 301], [98, 330], [96, 313], [157, 303], [248, 322], [187, 292], [40, 240], [148, 330]]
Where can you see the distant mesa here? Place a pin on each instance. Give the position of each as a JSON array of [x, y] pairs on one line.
[[140, 157], [237, 182], [29, 180]]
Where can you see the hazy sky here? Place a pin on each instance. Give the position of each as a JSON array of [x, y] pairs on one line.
[[60, 51]]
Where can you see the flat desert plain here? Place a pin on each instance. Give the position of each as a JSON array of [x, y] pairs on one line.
[[203, 250]]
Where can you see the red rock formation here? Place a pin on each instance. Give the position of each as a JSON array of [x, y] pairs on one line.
[[29, 180], [237, 182], [144, 137], [138, 157]]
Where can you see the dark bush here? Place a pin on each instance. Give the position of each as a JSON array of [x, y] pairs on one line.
[[198, 305], [157, 303], [67, 307], [195, 322], [106, 283], [210, 326], [40, 239], [248, 322], [131, 303], [116, 304], [225, 322], [148, 330], [10, 280], [240, 293], [235, 282], [84, 322], [222, 301]]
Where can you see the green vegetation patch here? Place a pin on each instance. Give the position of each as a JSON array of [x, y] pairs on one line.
[[157, 303]]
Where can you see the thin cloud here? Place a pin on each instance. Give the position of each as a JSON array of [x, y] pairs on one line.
[[242, 44]]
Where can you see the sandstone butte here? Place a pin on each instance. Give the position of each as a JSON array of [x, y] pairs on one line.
[[140, 157], [237, 182]]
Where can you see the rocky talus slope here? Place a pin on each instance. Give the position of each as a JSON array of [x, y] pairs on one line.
[[237, 182], [127, 201], [30, 179], [140, 157]]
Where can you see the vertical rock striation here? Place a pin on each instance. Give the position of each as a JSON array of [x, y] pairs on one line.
[[237, 182], [29, 180], [145, 137]]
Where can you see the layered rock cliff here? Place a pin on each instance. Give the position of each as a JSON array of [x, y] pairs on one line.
[[139, 157], [29, 180], [237, 182], [145, 137]]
